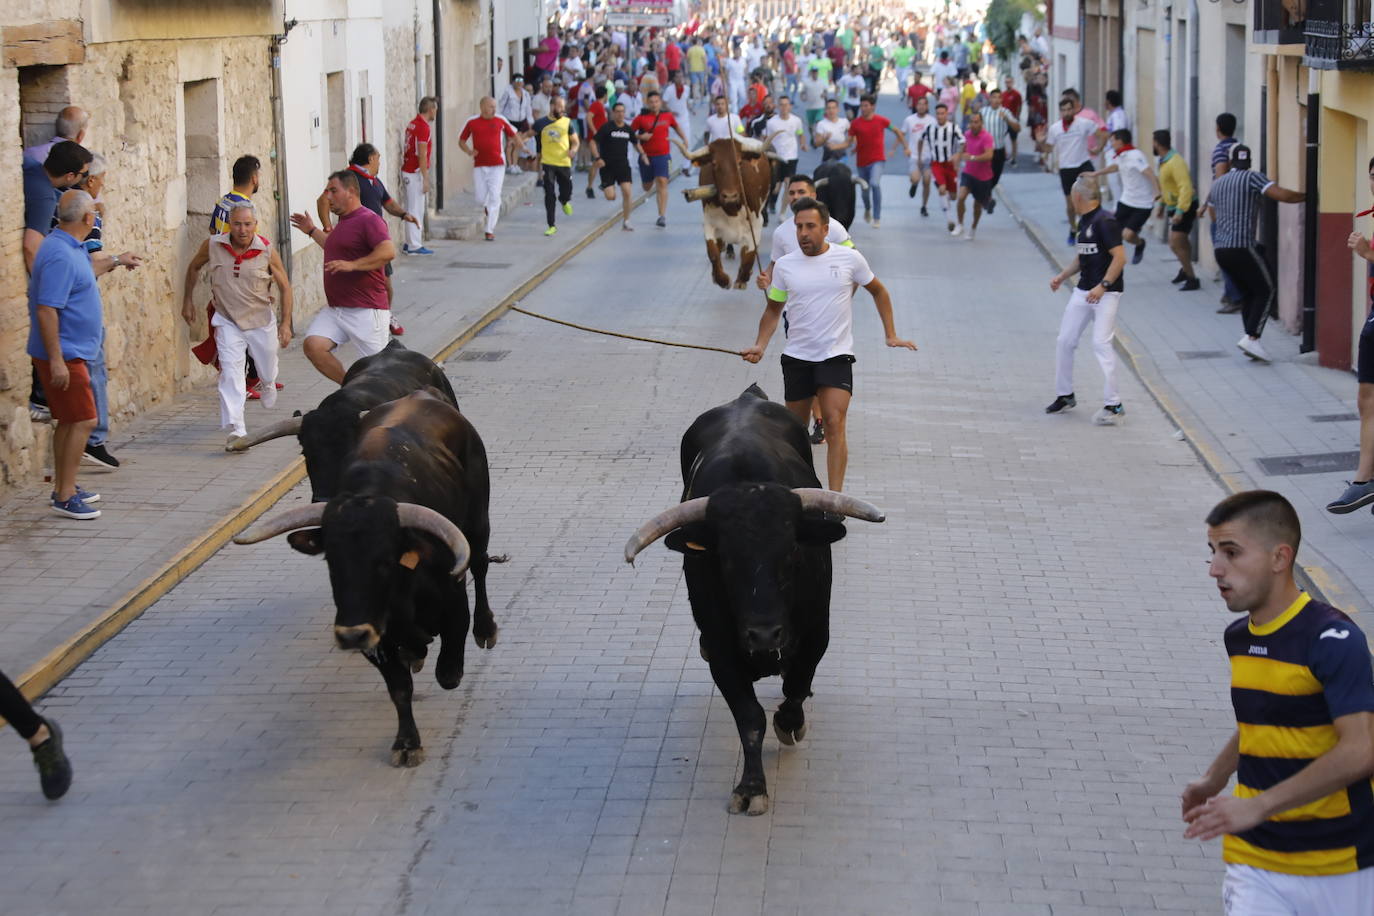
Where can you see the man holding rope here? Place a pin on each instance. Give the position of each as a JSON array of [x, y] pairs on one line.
[[816, 284]]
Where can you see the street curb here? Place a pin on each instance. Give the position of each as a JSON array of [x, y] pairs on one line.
[[1320, 579], [43, 675]]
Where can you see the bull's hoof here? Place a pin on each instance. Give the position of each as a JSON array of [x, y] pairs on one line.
[[721, 280], [788, 736], [741, 284], [407, 756], [448, 674], [486, 640], [413, 660], [752, 802]]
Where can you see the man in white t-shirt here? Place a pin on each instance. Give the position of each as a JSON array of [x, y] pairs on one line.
[[1069, 138], [735, 82], [913, 129], [723, 124], [832, 133], [677, 99], [854, 86], [788, 136], [942, 68], [816, 285], [1139, 189], [813, 97]]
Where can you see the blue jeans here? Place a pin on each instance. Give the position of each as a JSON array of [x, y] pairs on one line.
[[1231, 291], [873, 174], [99, 378]]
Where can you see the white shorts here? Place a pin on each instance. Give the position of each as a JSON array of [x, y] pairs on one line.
[[1249, 891], [368, 329]]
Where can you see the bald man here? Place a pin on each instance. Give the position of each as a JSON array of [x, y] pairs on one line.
[[486, 138]]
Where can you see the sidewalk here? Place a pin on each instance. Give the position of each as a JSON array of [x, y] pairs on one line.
[[1237, 413], [178, 496]]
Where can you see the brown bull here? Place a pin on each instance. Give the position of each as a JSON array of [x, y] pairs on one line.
[[735, 177]]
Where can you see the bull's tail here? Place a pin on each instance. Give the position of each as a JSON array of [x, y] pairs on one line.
[[499, 558]]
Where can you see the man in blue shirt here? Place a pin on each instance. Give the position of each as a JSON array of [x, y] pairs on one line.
[[66, 328]]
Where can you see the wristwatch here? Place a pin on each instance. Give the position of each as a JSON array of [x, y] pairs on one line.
[[115, 260]]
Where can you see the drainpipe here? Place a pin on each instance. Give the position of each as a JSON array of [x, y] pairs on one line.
[[439, 111], [1310, 213], [1168, 113], [279, 144], [1194, 44]]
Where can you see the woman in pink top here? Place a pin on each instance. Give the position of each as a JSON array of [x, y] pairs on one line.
[[546, 61]]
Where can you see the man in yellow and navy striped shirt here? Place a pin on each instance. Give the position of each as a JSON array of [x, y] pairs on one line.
[[1298, 834]]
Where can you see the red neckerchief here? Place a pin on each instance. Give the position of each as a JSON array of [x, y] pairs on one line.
[[362, 172], [1124, 149], [1364, 212], [1068, 122], [247, 255]]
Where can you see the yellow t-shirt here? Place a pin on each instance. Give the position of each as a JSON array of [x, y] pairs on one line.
[[696, 59], [966, 97], [553, 142]]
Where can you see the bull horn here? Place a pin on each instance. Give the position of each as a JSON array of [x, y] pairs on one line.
[[822, 183], [830, 501], [288, 427], [774, 156], [701, 192], [423, 518], [694, 154], [861, 183], [301, 517], [693, 510]]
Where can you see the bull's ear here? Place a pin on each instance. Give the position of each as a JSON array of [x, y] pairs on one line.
[[309, 541], [818, 531], [692, 540]]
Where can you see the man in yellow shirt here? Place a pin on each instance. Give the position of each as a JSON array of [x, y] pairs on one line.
[[966, 96], [696, 69], [1180, 206], [557, 144]]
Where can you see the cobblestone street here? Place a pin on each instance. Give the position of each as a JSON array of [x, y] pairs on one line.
[[1025, 663]]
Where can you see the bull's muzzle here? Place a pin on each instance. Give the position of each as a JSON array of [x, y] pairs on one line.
[[364, 637], [763, 639]]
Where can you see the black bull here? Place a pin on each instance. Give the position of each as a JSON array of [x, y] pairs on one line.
[[755, 531], [835, 188], [328, 433], [410, 516]]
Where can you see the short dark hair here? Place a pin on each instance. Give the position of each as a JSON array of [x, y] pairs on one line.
[[1113, 98], [245, 167], [1268, 512], [720, 98], [1071, 93], [1123, 135], [872, 100], [1066, 99], [939, 105], [811, 203], [652, 93], [601, 91], [65, 157], [1163, 138], [1226, 124], [995, 91], [362, 153], [347, 178], [800, 176]]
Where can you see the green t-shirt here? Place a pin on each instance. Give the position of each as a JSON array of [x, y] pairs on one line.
[[846, 38], [902, 56], [875, 57], [824, 65]]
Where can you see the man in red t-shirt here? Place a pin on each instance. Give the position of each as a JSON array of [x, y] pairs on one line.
[[651, 129], [672, 58], [754, 107], [1011, 101], [836, 54], [419, 155], [597, 116], [491, 136], [867, 133], [917, 91]]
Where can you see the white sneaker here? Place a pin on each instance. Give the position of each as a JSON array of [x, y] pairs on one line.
[[1253, 349], [971, 233], [1109, 414], [957, 231]]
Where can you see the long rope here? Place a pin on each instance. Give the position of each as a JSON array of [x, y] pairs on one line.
[[652, 340]]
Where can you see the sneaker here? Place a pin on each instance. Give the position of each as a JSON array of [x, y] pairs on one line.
[[1356, 496], [969, 236], [1062, 403], [991, 205], [911, 191], [551, 230], [1073, 238], [818, 433], [925, 212], [98, 454], [567, 208], [255, 389], [1191, 284], [490, 236], [1179, 277], [957, 231], [626, 227], [1109, 414], [1253, 349], [661, 222], [950, 228], [39, 413], [591, 195], [1228, 307], [74, 508], [84, 495], [868, 216], [396, 328], [1139, 253], [877, 224], [54, 769]]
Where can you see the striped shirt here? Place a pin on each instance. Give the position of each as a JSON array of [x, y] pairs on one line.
[[1222, 151], [995, 123], [1235, 197], [1291, 679], [943, 141]]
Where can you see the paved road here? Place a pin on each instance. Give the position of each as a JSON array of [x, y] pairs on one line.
[[1025, 662]]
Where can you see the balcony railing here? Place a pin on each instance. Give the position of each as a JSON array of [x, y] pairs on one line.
[[1277, 22], [1338, 45]]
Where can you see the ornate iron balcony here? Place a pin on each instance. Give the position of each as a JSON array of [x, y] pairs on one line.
[[1338, 46]]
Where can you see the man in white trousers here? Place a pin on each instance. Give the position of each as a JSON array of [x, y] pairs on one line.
[[490, 136], [419, 156], [243, 267], [1100, 261]]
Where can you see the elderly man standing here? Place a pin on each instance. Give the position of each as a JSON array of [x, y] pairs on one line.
[[355, 253], [490, 135], [66, 328], [71, 125], [243, 267], [419, 156]]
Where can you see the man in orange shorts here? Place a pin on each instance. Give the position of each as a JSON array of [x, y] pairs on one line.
[[65, 330], [943, 142]]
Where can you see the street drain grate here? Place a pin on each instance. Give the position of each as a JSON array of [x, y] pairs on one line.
[[1333, 417], [1324, 463], [482, 356], [1201, 354], [479, 265]]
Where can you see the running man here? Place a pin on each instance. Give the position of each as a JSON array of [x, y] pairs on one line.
[[999, 122], [868, 135], [611, 149], [832, 133], [557, 145], [788, 136], [1070, 137], [945, 141], [977, 177], [1180, 206], [914, 127], [1100, 262], [490, 135], [816, 285], [655, 156], [723, 124], [1298, 833], [1139, 190]]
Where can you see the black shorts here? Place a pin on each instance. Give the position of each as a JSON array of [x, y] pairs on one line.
[[979, 189], [1132, 218], [388, 270], [801, 379], [1184, 225], [1068, 176], [1364, 367], [1013, 133], [616, 173]]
